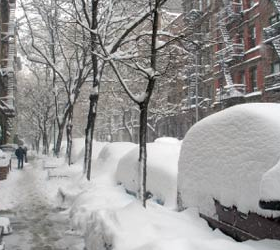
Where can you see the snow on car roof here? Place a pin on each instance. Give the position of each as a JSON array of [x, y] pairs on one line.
[[225, 156]]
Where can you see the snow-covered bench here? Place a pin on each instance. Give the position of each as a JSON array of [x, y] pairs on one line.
[[47, 167], [56, 174]]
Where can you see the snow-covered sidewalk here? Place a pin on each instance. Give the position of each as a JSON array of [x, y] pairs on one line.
[[28, 198]]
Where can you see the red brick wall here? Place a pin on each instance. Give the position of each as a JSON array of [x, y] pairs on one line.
[[4, 172]]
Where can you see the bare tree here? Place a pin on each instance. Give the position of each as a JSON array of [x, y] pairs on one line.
[[60, 44], [145, 65], [109, 24], [36, 108]]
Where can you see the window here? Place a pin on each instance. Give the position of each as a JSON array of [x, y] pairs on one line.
[[274, 19], [253, 78], [200, 5], [275, 67], [239, 37], [242, 78], [252, 37]]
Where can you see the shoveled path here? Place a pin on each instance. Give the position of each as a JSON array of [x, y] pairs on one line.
[[36, 224]]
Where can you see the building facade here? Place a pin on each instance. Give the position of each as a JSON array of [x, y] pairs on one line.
[[244, 37], [7, 71]]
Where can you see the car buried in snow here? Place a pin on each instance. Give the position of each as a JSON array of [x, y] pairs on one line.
[[9, 149], [229, 169]]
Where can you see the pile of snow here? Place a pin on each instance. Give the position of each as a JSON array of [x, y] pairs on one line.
[[6, 225], [4, 159], [225, 155], [85, 197], [156, 228], [78, 149], [88, 203], [162, 169]]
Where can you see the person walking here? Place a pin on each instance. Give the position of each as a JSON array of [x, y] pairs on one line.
[[20, 156]]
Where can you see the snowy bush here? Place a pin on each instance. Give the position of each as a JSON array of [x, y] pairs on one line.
[[225, 155], [162, 168]]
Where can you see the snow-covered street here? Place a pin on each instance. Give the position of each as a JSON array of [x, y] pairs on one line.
[[36, 223], [99, 214]]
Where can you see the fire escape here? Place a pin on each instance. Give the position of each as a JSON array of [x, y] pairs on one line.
[[7, 105], [192, 19], [272, 36], [231, 52]]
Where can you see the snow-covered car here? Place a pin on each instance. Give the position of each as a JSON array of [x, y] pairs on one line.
[[229, 163], [9, 149], [162, 169]]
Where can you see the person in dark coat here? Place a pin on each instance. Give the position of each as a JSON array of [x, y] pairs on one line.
[[20, 153], [25, 154]]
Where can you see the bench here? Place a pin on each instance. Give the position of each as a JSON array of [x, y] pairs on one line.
[[56, 175]]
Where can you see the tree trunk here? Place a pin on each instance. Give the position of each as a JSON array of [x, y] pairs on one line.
[[69, 128], [89, 133], [37, 143], [45, 143], [69, 143], [95, 85], [45, 139], [143, 152], [59, 139]]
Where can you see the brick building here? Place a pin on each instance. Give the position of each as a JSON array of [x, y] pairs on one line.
[[244, 58], [7, 70]]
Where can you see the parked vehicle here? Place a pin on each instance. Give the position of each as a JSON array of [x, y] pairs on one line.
[[9, 149], [229, 168]]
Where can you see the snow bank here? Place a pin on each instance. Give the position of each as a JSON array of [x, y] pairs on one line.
[[157, 228], [101, 190], [5, 223], [162, 169], [85, 207], [225, 155]]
